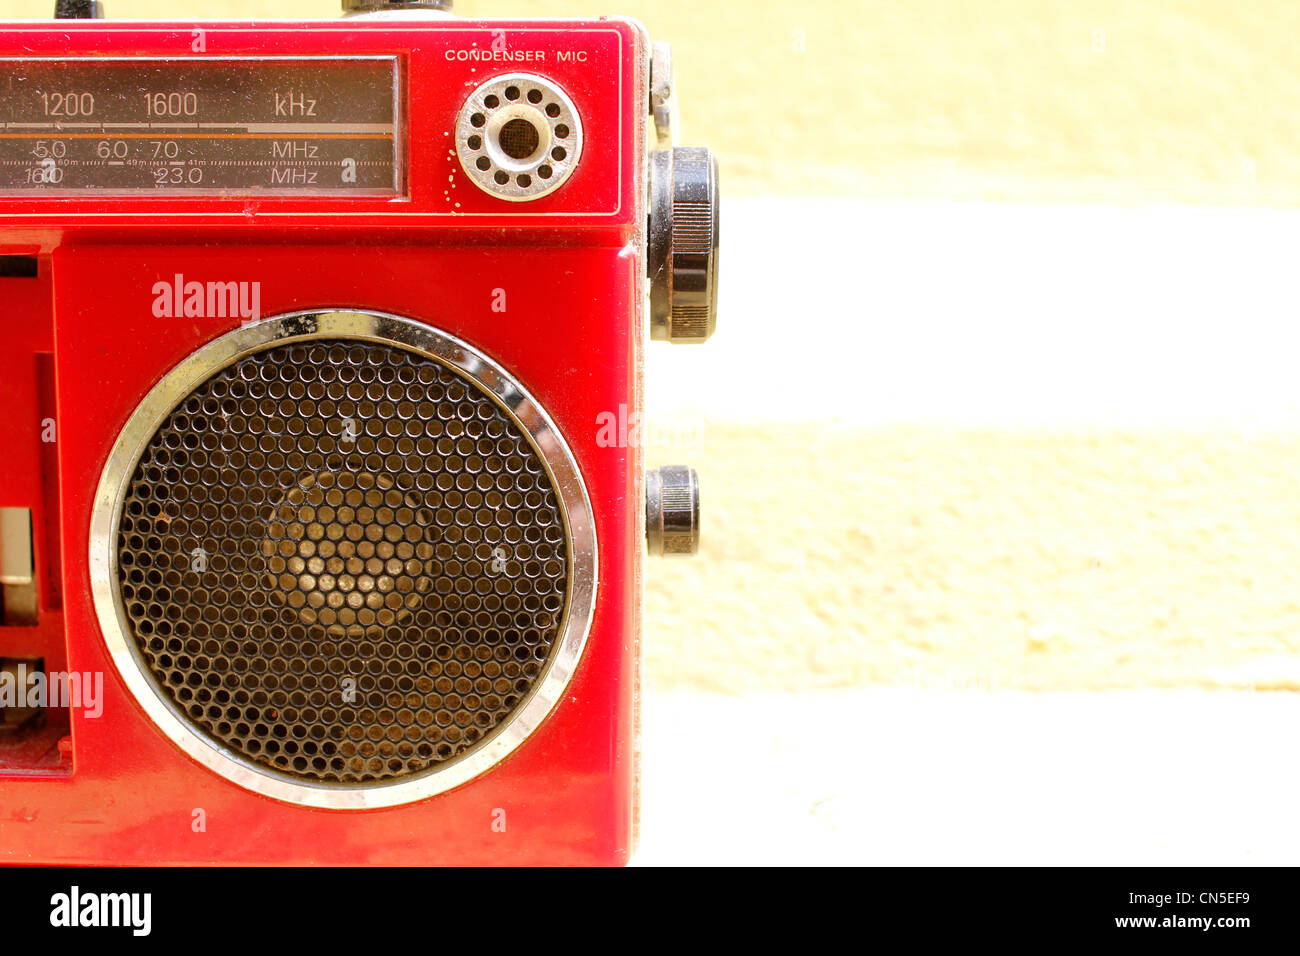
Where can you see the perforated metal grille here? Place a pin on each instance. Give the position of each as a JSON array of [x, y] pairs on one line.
[[343, 561]]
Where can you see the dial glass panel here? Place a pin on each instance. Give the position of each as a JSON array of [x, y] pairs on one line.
[[311, 126]]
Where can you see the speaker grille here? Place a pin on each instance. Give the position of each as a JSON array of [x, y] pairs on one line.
[[343, 561]]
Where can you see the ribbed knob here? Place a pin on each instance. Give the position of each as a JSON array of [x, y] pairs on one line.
[[672, 510], [683, 244]]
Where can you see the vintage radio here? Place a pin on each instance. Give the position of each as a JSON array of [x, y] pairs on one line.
[[315, 548]]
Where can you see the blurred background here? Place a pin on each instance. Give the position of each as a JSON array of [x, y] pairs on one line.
[[997, 435]]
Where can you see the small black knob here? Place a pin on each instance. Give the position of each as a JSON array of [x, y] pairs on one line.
[[672, 510], [78, 10], [682, 252]]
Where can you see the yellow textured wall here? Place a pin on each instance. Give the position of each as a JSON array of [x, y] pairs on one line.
[[976, 559]]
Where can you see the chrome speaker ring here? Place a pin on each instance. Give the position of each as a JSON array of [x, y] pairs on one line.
[[462, 359]]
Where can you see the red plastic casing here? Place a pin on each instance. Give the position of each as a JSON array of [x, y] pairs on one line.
[[80, 344]]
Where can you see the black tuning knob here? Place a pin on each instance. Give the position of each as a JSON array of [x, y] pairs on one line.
[[683, 244]]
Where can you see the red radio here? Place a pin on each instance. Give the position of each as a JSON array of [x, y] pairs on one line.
[[316, 547]]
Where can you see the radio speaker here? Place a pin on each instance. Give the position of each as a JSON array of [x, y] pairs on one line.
[[338, 562]]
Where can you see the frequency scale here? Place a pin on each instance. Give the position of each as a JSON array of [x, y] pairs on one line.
[[244, 126]]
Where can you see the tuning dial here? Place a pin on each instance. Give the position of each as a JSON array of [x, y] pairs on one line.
[[672, 510], [683, 244]]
